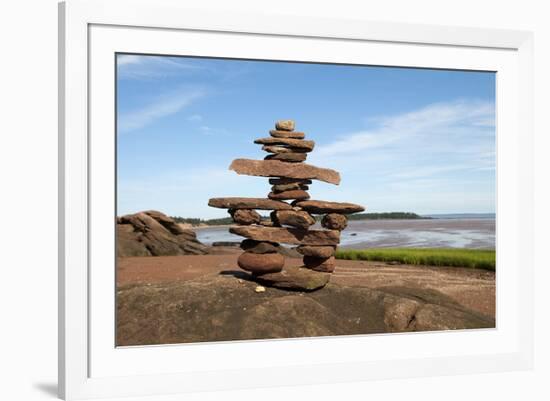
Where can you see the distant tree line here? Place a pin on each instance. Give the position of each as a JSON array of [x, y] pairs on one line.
[[210, 222], [388, 215]]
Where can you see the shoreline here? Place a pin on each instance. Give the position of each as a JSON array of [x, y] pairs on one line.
[[431, 219], [212, 226]]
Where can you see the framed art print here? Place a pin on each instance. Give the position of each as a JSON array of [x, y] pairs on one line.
[[349, 200]]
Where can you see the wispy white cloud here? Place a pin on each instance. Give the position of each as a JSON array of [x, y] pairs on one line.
[[161, 107], [436, 120], [132, 66]]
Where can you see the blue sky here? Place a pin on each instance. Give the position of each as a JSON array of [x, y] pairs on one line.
[[402, 139]]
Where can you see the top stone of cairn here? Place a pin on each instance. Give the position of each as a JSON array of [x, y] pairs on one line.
[[285, 125]]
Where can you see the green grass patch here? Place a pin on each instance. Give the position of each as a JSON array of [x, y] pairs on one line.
[[474, 258]]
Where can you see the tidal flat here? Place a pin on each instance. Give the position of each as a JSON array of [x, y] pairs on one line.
[[471, 233]]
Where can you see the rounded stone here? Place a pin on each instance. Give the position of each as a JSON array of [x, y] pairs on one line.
[[285, 125], [261, 263], [323, 252], [320, 264], [245, 216], [334, 221], [299, 219]]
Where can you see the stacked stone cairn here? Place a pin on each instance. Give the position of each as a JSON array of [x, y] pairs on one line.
[[289, 223]]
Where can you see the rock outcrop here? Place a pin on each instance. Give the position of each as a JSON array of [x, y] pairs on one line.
[[233, 311], [152, 233]]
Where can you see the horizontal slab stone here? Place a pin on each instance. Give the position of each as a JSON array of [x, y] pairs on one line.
[[295, 143], [283, 181], [287, 134], [248, 203], [286, 195], [295, 278], [276, 168], [283, 149], [287, 157], [285, 125], [289, 187], [286, 235], [322, 207]]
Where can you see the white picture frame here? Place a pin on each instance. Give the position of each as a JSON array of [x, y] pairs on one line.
[[91, 32]]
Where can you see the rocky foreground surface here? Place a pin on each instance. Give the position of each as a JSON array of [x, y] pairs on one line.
[[184, 299]]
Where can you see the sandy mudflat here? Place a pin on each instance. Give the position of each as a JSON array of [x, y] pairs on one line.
[[429, 233], [472, 288]]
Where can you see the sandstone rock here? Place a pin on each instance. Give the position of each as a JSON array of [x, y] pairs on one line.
[[320, 264], [287, 134], [289, 187], [267, 223], [276, 168], [245, 216], [248, 203], [128, 242], [260, 247], [334, 221], [297, 194], [167, 222], [261, 263], [323, 207], [316, 251], [288, 181], [288, 235], [397, 313], [283, 149], [181, 315], [141, 222], [295, 143], [299, 219], [141, 234], [285, 125], [295, 278], [287, 157]]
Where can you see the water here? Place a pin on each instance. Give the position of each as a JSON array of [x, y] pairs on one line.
[[473, 233]]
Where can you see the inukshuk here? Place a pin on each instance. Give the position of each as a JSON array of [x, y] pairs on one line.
[[290, 223]]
